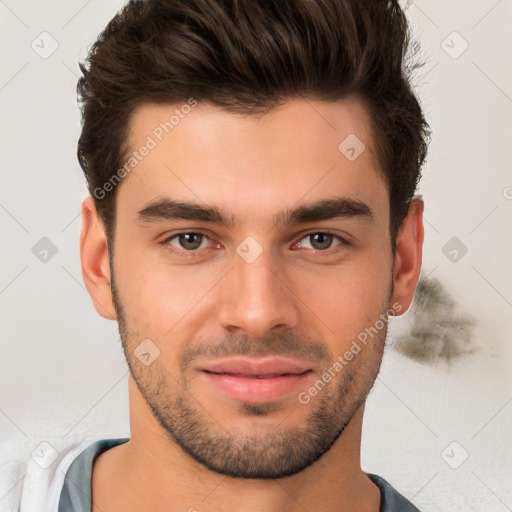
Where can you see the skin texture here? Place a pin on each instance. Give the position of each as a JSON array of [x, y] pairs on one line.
[[192, 446]]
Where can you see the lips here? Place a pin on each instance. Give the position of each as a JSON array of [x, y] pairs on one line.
[[252, 380], [258, 369]]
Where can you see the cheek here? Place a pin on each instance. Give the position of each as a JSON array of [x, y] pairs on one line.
[[343, 300], [157, 296]]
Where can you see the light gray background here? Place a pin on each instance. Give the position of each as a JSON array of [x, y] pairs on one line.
[[62, 370]]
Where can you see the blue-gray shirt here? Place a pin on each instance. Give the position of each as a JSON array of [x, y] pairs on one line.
[[76, 491]]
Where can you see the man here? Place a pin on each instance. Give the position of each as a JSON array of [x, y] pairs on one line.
[[252, 225]]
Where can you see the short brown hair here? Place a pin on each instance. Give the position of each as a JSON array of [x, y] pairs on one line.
[[247, 56]]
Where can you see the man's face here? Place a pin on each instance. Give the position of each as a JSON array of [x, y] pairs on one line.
[[242, 318]]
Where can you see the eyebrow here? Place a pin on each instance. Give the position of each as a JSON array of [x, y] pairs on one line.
[[339, 207]]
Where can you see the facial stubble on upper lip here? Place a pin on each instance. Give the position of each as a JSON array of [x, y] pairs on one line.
[[277, 346]]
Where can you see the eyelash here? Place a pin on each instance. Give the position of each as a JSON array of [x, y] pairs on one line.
[[195, 253]]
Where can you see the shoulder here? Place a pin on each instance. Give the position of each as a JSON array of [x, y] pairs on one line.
[[32, 473], [391, 499]]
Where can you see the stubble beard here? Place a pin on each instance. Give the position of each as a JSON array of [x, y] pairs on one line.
[[282, 452]]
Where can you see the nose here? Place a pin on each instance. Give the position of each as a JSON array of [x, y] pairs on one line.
[[257, 298]]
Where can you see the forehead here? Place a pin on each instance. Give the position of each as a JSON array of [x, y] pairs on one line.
[[252, 165]]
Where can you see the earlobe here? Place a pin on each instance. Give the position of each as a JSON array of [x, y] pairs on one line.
[[94, 260], [408, 258]]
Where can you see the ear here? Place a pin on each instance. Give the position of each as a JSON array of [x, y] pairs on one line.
[[94, 260], [408, 257]]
